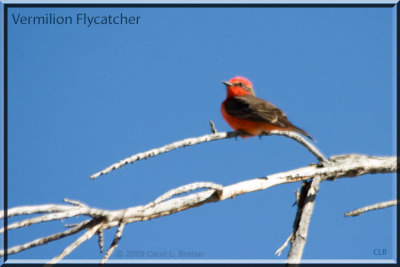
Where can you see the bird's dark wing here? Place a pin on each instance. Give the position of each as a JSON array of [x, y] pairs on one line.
[[252, 108]]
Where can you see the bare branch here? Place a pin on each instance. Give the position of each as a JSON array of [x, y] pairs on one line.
[[114, 244], [303, 218], [297, 195], [184, 189], [76, 203], [45, 240], [207, 138], [308, 193], [377, 206], [26, 210], [86, 236], [72, 211], [279, 250], [212, 125], [100, 234], [339, 167], [76, 224], [41, 219], [166, 148]]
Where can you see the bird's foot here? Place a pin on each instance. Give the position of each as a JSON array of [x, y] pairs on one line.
[[243, 134]]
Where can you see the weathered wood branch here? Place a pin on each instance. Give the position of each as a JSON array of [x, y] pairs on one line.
[[377, 206], [306, 205], [279, 250], [166, 148], [92, 230], [207, 138], [47, 239], [341, 166], [114, 244]]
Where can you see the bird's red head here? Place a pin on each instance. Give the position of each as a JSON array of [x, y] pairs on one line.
[[239, 86]]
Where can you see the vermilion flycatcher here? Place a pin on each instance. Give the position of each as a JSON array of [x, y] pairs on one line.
[[250, 115]]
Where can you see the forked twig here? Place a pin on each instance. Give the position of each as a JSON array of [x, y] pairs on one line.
[[86, 236], [114, 243]]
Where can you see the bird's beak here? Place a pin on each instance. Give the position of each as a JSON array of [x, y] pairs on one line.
[[227, 83]]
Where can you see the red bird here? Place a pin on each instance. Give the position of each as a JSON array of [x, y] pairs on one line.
[[250, 115]]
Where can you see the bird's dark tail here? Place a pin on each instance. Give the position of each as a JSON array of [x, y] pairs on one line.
[[297, 129]]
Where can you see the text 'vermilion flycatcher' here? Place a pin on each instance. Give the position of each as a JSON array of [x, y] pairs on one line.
[[250, 115]]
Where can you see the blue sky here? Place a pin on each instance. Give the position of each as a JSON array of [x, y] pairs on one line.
[[82, 98]]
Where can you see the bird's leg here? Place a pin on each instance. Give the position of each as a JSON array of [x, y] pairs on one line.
[[242, 133]]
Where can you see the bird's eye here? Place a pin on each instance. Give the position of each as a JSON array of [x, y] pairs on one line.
[[241, 84]]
